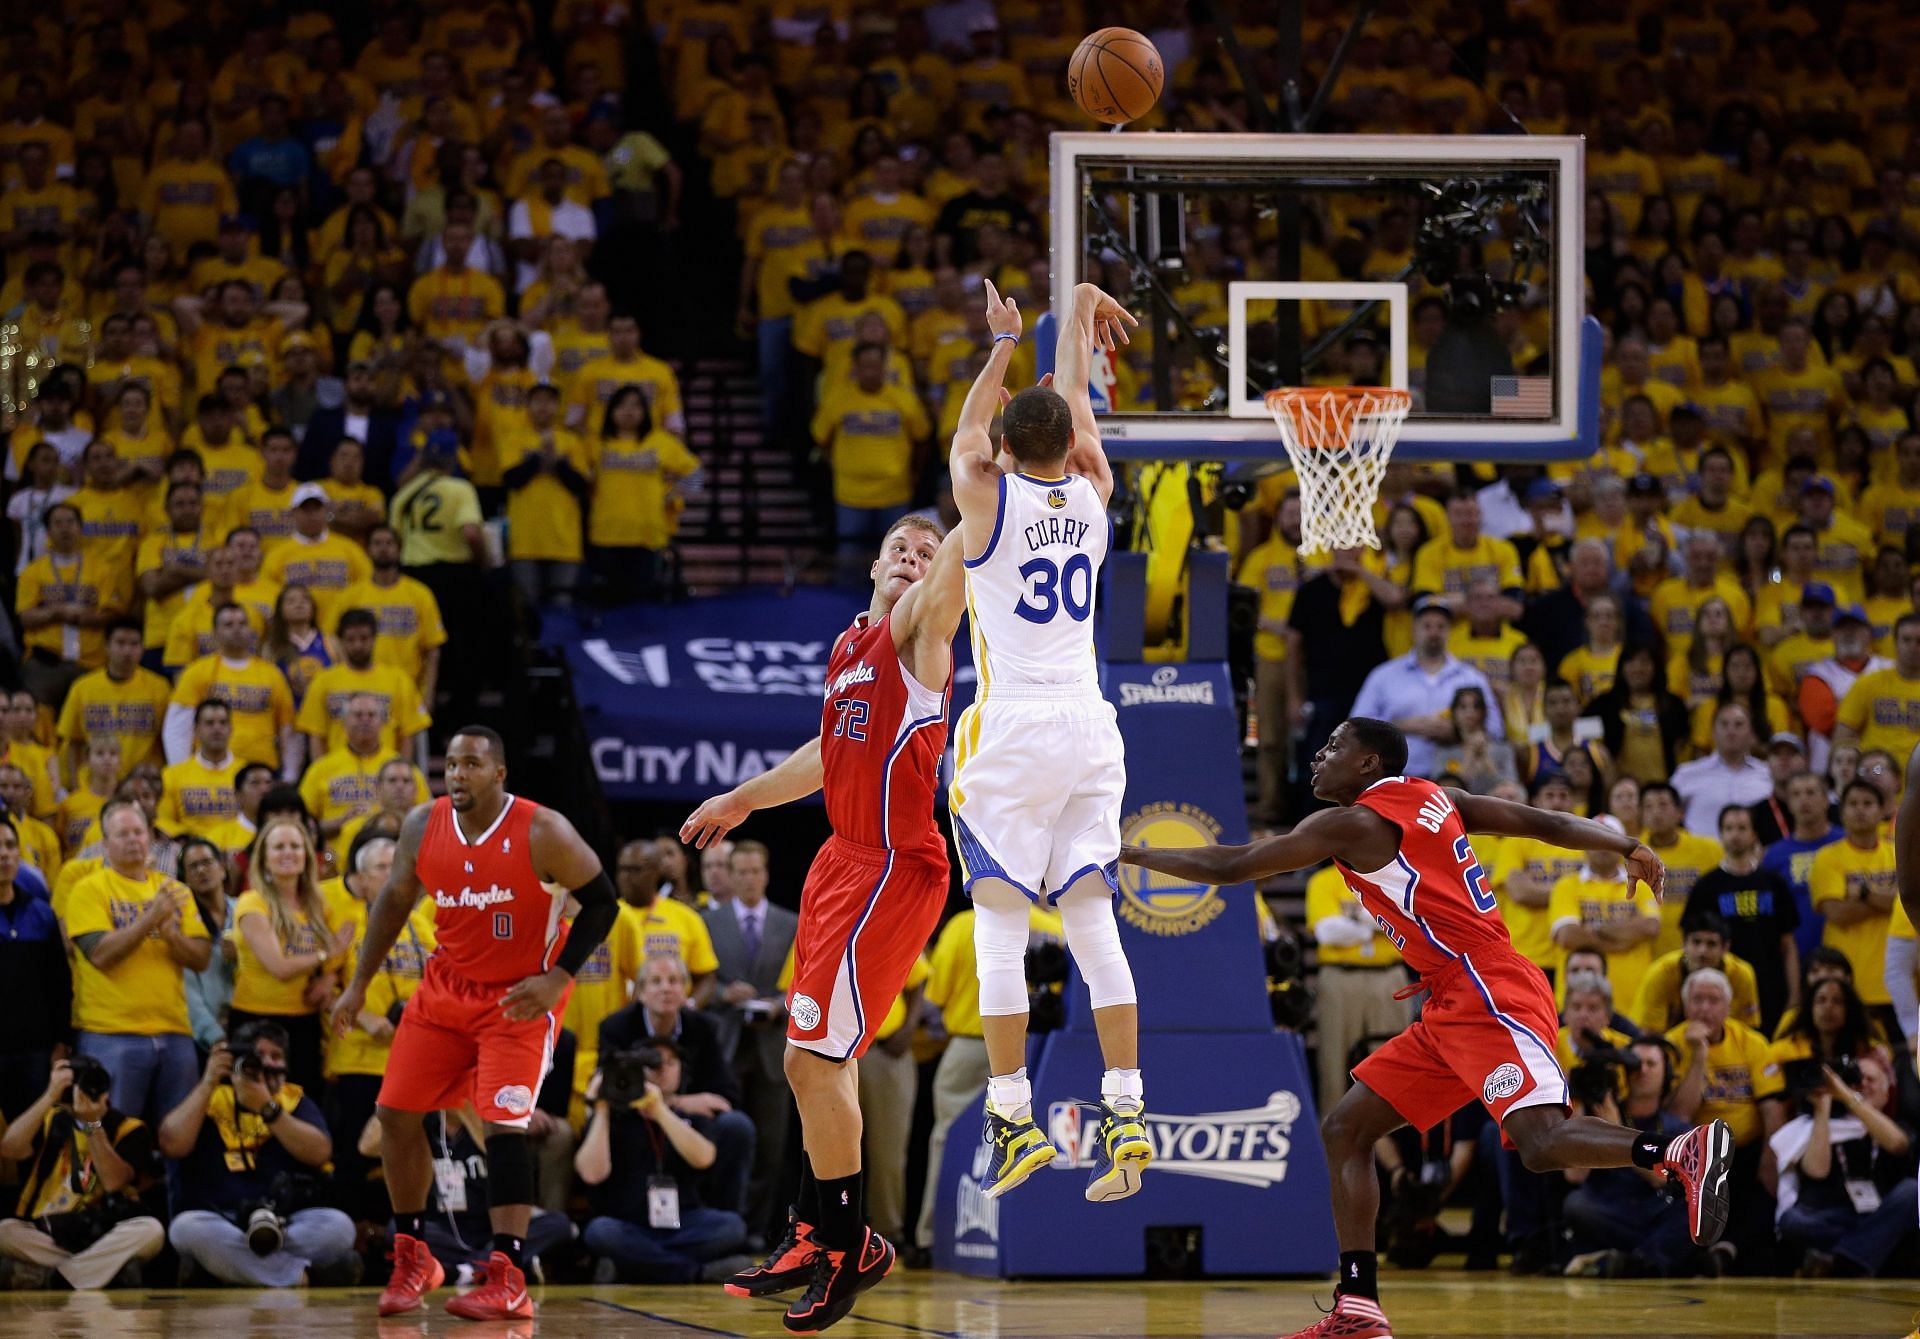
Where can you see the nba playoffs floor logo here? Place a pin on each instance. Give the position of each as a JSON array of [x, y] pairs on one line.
[[1248, 1147], [1159, 903]]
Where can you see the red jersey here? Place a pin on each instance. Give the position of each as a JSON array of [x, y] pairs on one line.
[[881, 737], [1432, 899], [495, 922]]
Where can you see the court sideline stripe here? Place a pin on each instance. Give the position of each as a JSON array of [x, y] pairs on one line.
[[668, 1320], [902, 1325]]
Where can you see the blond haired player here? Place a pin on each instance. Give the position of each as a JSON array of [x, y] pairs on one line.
[[1040, 769]]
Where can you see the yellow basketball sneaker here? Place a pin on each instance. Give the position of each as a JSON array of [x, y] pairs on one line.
[[1019, 1150], [1121, 1152]]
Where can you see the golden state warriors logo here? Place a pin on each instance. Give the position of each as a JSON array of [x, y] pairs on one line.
[[1161, 904], [1056, 498]]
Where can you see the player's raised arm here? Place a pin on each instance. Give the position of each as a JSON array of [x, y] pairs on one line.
[[929, 613], [386, 918], [1092, 321], [1504, 818], [976, 479], [1320, 836], [797, 776]]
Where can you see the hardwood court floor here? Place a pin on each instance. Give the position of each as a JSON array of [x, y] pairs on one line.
[[938, 1306]]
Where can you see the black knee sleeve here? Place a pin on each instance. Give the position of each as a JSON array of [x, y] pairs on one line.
[[509, 1168]]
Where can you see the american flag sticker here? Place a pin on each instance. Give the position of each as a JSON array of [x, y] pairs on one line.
[[1522, 397]]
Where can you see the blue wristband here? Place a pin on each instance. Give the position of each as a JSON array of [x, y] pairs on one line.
[[1014, 338]]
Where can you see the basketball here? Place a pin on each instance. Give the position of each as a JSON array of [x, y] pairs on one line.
[[1115, 75]]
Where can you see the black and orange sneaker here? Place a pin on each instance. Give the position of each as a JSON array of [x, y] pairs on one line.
[[788, 1265], [1351, 1318], [1701, 1160], [501, 1293], [415, 1274], [838, 1278]]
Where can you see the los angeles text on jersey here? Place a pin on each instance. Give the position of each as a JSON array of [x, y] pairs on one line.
[[472, 899], [1056, 530]]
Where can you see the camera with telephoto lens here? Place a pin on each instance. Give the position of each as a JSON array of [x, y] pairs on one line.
[[1804, 1078], [623, 1076], [89, 1077], [1600, 1073]]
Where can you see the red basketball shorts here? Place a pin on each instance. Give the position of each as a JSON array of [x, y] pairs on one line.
[[455, 1045], [865, 914], [1485, 1035]]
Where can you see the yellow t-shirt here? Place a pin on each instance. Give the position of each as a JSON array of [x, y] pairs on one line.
[[255, 989], [603, 986], [543, 515], [198, 798], [1675, 604], [410, 623], [78, 809], [160, 548], [399, 977], [144, 994], [1884, 709], [631, 481], [1440, 568], [1532, 927], [1690, 856], [952, 985], [1492, 656], [326, 566], [267, 509], [325, 705], [588, 390], [190, 634], [669, 926], [340, 781], [1738, 1077], [1590, 672], [1594, 902], [39, 847], [1843, 872], [1328, 895], [1273, 569], [869, 440], [81, 580], [131, 712], [1658, 1006], [897, 1011], [112, 522], [258, 695]]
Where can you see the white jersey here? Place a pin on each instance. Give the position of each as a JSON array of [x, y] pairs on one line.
[[1030, 593]]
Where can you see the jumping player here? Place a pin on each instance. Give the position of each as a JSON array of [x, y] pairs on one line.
[[1039, 769], [482, 1025], [872, 897], [1486, 1033]]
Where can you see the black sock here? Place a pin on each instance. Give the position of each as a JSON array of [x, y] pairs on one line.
[[514, 1248], [841, 1206], [1649, 1151], [1357, 1276], [410, 1225], [807, 1204]]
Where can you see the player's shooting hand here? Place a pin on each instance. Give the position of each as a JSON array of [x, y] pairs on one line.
[[535, 995], [347, 1009], [1645, 866], [714, 819], [1003, 314], [1110, 320]]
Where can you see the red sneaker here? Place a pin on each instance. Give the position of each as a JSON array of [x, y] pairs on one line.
[[415, 1274], [788, 1265], [838, 1277], [1701, 1160], [1351, 1318], [500, 1293]]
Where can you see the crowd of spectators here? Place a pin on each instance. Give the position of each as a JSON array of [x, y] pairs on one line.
[[309, 320]]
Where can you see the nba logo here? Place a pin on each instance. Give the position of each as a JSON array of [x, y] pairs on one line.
[[1063, 1128]]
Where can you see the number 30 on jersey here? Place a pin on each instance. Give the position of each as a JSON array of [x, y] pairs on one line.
[[1050, 588]]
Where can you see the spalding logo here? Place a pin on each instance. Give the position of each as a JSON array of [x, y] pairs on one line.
[[516, 1098], [1056, 498], [1504, 1082], [806, 1014]]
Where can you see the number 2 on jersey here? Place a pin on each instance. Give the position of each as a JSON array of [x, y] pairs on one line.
[[1476, 878], [1049, 588]]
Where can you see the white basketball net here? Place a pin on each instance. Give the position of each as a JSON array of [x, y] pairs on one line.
[[1339, 440]]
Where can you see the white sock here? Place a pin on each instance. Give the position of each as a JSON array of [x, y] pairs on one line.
[[1011, 1095], [1121, 1089]]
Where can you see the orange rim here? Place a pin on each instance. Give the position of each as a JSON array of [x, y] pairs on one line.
[[1329, 407]]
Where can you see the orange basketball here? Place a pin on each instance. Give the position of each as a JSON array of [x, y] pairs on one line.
[[1115, 75]]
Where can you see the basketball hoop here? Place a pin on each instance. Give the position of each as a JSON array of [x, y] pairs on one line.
[[1339, 439]]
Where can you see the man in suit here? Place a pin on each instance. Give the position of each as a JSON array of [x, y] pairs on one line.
[[751, 938], [359, 417], [708, 1093]]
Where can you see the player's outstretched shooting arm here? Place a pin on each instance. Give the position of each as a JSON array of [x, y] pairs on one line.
[[976, 479], [1354, 835], [1093, 321]]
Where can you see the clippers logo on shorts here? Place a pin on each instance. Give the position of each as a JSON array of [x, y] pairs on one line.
[[1249, 1147], [1159, 903], [806, 1013], [516, 1098], [1504, 1082]]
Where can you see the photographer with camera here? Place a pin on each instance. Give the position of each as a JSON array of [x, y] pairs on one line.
[[85, 1165], [1847, 1192], [1622, 1222], [253, 1149], [642, 1162]]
